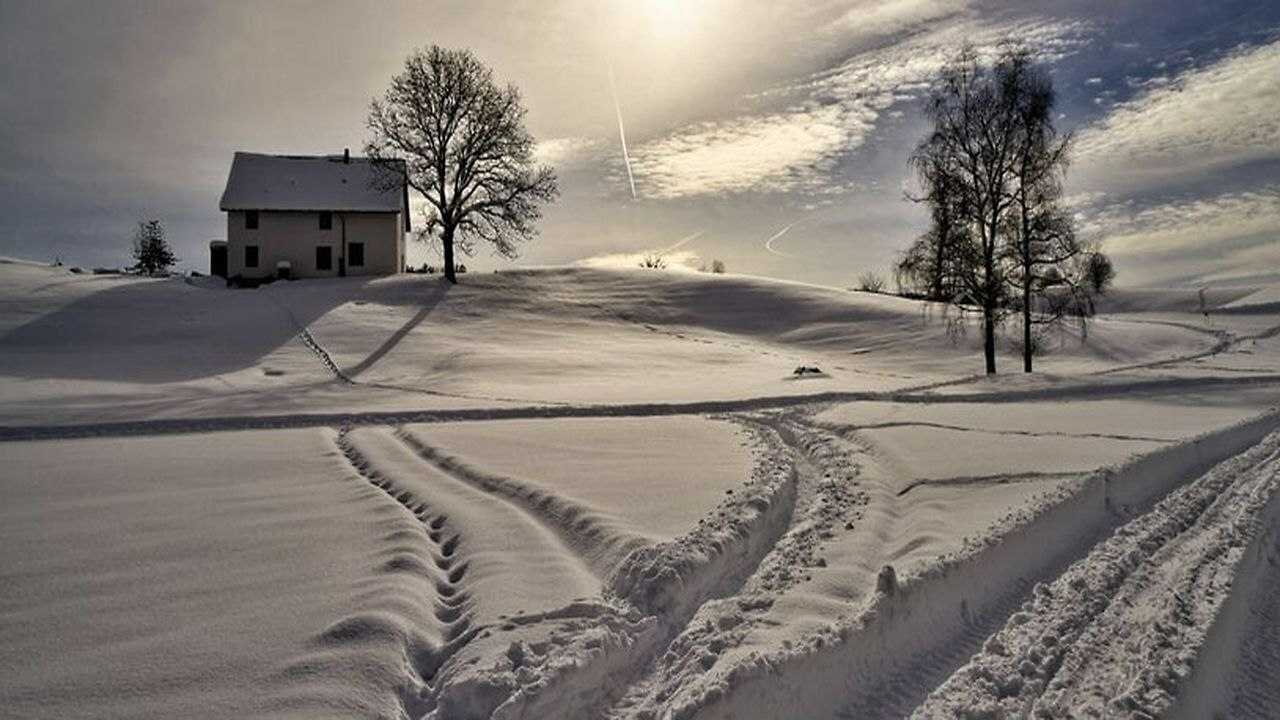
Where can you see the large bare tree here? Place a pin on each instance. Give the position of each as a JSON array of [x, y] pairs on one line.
[[1042, 243], [992, 170], [466, 151], [974, 139]]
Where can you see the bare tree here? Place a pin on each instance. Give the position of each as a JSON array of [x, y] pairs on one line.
[[871, 281], [930, 267], [975, 133], [653, 261], [466, 151], [151, 252], [1042, 243], [1099, 272]]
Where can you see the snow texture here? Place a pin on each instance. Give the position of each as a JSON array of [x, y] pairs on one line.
[[581, 493]]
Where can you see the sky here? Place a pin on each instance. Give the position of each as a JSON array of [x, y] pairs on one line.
[[770, 134]]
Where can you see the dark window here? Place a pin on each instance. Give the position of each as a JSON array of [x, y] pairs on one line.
[[250, 256], [355, 254], [324, 257], [250, 219], [326, 221]]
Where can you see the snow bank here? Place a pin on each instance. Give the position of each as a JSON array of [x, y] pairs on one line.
[[885, 659], [581, 666], [1118, 630], [1236, 671]]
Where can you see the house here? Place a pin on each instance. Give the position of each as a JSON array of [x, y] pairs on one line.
[[318, 216]]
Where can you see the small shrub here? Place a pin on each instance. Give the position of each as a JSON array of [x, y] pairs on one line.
[[871, 282], [717, 267], [653, 261]]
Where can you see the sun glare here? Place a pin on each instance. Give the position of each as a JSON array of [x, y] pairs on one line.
[[664, 21]]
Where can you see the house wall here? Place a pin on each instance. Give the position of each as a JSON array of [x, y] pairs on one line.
[[294, 236]]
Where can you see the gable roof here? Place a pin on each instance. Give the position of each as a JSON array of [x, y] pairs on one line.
[[312, 182]]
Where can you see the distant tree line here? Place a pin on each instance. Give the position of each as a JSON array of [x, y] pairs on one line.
[[1001, 240]]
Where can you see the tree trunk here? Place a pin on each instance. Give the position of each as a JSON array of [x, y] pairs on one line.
[[989, 337], [1026, 326], [939, 258], [447, 240], [1024, 245]]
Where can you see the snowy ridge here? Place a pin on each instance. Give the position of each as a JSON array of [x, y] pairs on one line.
[[828, 498], [657, 589], [882, 661], [1233, 672], [1120, 628]]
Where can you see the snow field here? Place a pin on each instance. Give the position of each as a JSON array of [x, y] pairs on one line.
[[596, 463], [219, 576], [583, 494], [126, 349]]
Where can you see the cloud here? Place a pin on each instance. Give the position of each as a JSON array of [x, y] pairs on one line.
[[1229, 235], [797, 148], [780, 152], [1205, 119], [564, 151]]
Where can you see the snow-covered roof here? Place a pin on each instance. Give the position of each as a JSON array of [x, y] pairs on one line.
[[312, 182]]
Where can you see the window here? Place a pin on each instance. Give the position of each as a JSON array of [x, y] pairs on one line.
[[324, 257], [251, 220], [326, 221], [355, 254], [251, 256]]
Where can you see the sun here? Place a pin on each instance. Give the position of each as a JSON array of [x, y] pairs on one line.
[[664, 21]]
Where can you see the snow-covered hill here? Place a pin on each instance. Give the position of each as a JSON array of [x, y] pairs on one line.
[[582, 493]]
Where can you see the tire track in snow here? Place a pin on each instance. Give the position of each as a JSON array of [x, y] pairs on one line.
[[1224, 340], [995, 479], [1118, 630], [342, 376], [828, 499], [1257, 681], [452, 601], [921, 394], [582, 528], [661, 588], [847, 429], [915, 632]]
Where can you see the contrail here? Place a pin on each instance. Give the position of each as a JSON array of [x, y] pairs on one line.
[[622, 133], [682, 242], [768, 244]]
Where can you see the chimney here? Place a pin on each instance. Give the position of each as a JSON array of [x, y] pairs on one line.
[[346, 156]]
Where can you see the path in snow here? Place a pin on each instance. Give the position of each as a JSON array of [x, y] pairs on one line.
[[1267, 385], [1117, 632], [892, 651]]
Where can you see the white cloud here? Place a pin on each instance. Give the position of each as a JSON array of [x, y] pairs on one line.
[[1229, 235], [564, 151], [776, 153], [877, 18], [797, 148], [1208, 118]]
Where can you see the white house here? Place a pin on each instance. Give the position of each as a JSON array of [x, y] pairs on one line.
[[326, 216]]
